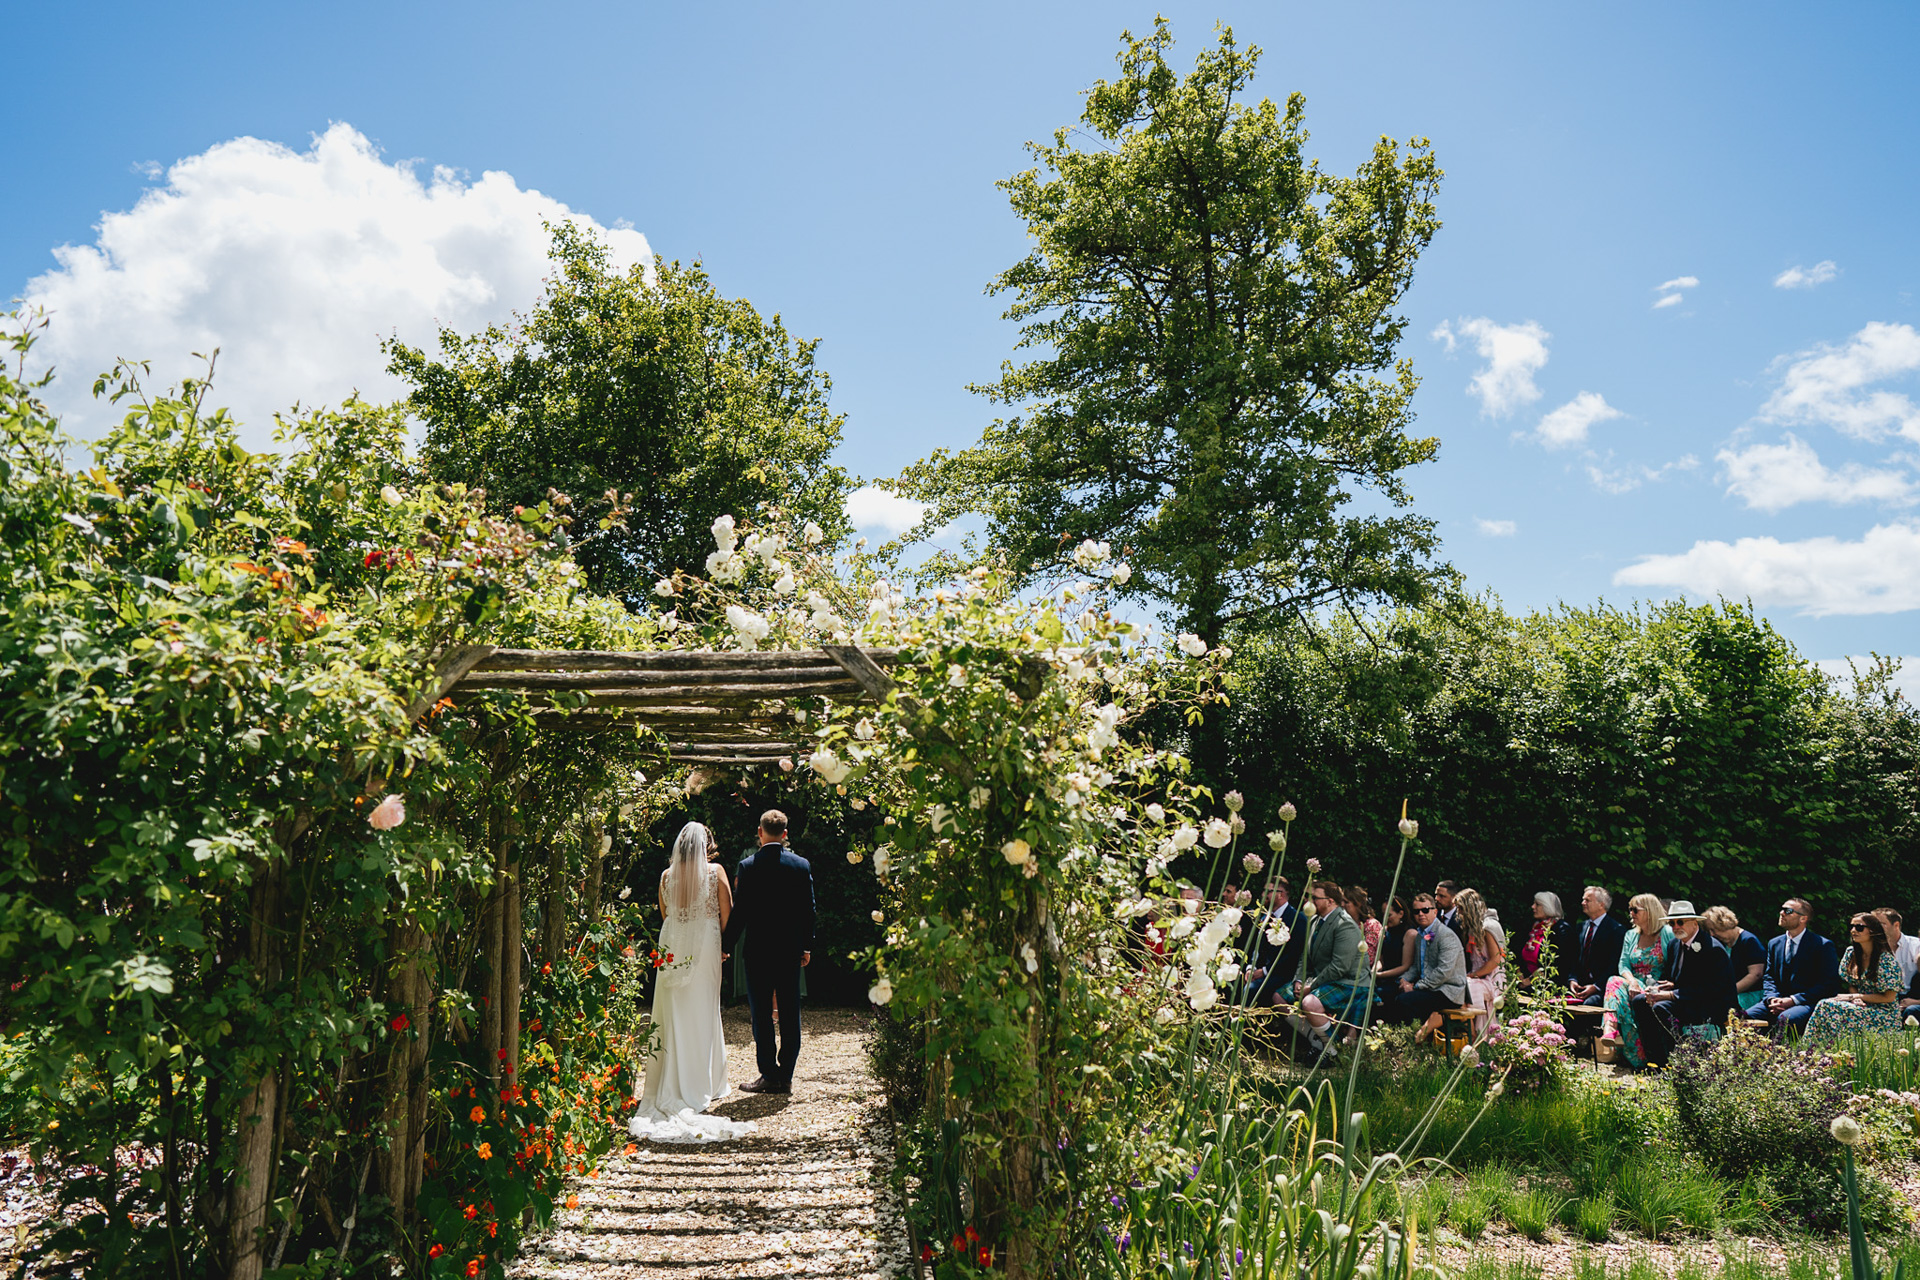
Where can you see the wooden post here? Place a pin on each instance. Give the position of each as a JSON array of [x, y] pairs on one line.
[[490, 922], [596, 862], [554, 914], [512, 935], [259, 1100]]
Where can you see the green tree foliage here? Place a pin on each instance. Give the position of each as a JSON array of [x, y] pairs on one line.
[[686, 404], [213, 664], [1682, 751], [1217, 380]]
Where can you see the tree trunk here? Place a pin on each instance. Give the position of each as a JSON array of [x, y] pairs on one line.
[[490, 957], [512, 933], [553, 944], [596, 862], [253, 1154]]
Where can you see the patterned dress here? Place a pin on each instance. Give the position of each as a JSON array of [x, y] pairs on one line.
[[1831, 1019], [1646, 965]]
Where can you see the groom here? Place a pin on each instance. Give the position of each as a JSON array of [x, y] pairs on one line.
[[774, 903]]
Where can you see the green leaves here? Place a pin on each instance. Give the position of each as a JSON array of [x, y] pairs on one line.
[[1220, 376]]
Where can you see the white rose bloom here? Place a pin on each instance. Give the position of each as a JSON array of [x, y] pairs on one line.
[[956, 675], [1029, 957], [879, 917], [1231, 916], [882, 859], [1104, 734], [829, 766], [388, 814], [1218, 835], [1121, 572], [1278, 934], [1157, 813], [1164, 1016], [723, 534], [1190, 905], [979, 798], [1016, 852], [785, 585], [863, 730], [390, 496], [1185, 837], [748, 627], [1181, 927], [664, 587], [1191, 645], [1226, 973], [813, 533], [881, 991]]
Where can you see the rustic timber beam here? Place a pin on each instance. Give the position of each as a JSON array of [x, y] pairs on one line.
[[454, 664], [824, 672], [679, 660]]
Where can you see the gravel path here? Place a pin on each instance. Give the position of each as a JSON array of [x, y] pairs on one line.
[[807, 1194]]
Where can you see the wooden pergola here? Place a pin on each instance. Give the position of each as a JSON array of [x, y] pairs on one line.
[[707, 707]]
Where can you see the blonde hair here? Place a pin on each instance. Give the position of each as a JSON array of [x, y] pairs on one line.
[[1471, 910], [1656, 914], [1718, 918]]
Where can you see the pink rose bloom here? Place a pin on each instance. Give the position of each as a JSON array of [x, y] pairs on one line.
[[388, 814]]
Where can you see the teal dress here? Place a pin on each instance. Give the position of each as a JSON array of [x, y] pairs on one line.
[[1832, 1020], [1646, 964]]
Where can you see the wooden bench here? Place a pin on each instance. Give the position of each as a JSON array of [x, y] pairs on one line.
[[1460, 1014]]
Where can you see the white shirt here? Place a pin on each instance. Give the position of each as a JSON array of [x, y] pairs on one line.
[[1907, 955]]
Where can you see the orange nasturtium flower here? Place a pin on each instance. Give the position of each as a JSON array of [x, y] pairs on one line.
[[484, 1151], [573, 1202], [477, 1114], [472, 1212]]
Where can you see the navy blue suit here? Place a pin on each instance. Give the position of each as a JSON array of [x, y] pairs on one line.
[[1597, 958], [774, 900], [1812, 977], [1702, 995]]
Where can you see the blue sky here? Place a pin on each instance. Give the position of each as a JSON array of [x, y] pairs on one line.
[[836, 164]]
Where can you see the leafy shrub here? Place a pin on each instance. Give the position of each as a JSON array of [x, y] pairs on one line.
[[1745, 1104]]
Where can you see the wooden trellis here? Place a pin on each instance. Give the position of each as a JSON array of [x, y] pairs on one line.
[[708, 708]]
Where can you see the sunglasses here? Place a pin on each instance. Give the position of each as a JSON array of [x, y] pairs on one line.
[[1424, 911]]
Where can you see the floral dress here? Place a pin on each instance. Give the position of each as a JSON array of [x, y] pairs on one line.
[[1832, 1019], [1645, 963]]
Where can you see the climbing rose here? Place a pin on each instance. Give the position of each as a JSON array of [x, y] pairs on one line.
[[388, 814], [880, 992], [1185, 837], [1016, 852], [1191, 645], [1157, 813], [813, 533], [1219, 834], [390, 495]]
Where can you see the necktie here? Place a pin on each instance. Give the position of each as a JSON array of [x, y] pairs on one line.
[[1793, 947], [1587, 940]]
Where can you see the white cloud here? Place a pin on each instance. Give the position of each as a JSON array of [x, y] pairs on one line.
[[1513, 352], [1806, 277], [1773, 477], [1831, 385], [1670, 295], [1840, 671], [1818, 576], [1497, 528], [872, 508], [1630, 476], [1568, 425], [295, 265]]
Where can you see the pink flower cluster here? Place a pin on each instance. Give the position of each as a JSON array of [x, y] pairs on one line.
[[1528, 1040]]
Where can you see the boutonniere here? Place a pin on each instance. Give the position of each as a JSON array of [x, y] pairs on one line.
[[1694, 945]]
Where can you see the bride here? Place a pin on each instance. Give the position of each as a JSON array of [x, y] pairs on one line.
[[687, 1070]]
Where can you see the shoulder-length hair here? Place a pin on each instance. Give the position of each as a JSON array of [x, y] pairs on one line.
[[1656, 915], [1864, 966]]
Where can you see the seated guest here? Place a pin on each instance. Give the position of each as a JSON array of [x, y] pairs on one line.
[[1396, 946], [1746, 954], [1360, 907], [1438, 978], [1330, 980], [1697, 991], [1550, 934], [1802, 970], [1872, 1001], [1270, 967], [1910, 1001], [1443, 900], [1596, 956], [1643, 962], [1905, 946], [1486, 954]]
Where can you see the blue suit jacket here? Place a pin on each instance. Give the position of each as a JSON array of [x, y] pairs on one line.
[[1593, 964], [774, 900], [1814, 975]]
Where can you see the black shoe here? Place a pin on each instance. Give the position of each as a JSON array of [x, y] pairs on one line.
[[759, 1085]]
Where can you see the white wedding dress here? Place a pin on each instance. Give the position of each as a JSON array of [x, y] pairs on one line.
[[687, 1072]]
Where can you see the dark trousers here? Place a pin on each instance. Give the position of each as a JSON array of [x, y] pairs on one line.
[[1793, 1017], [1413, 1006], [780, 982], [1652, 1022]]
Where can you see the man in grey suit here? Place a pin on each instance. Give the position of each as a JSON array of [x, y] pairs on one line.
[[1438, 979], [1330, 966]]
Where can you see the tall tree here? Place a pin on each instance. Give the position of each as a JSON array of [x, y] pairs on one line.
[[1216, 377], [661, 389]]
